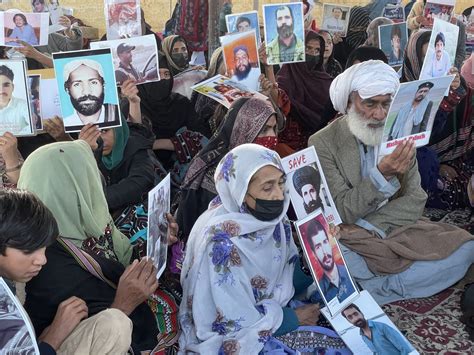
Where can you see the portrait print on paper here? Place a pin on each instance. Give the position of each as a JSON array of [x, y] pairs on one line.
[[284, 32], [241, 58], [157, 238], [366, 329], [134, 59], [412, 112], [123, 18], [328, 268], [243, 22], [308, 186], [31, 28], [87, 88], [393, 39], [336, 18], [16, 332], [441, 51], [15, 110], [224, 90]]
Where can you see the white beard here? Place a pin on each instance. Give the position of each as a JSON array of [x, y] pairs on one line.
[[358, 125]]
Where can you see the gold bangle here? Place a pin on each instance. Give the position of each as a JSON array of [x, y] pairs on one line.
[[14, 168]]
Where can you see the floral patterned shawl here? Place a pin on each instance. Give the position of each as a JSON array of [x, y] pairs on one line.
[[238, 271]]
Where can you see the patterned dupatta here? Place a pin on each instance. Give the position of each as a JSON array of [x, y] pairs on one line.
[[238, 271]]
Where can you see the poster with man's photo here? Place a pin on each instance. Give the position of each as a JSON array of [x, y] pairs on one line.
[[241, 58], [224, 90], [336, 288], [283, 26], [441, 51], [243, 22], [87, 89], [50, 105], [393, 39], [308, 186], [16, 332], [15, 110], [157, 233], [122, 18], [412, 112], [134, 58], [34, 82], [367, 330], [438, 9], [18, 27], [336, 19]]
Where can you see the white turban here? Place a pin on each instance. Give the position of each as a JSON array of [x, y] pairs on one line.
[[73, 65], [369, 79]]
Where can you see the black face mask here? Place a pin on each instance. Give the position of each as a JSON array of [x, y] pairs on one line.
[[180, 59], [266, 210], [312, 61]]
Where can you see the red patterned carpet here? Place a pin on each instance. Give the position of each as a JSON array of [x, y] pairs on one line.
[[432, 324]]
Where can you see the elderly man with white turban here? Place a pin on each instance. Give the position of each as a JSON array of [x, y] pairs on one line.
[[389, 249]]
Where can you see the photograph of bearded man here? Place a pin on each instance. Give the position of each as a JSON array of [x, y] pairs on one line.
[[284, 33], [89, 93]]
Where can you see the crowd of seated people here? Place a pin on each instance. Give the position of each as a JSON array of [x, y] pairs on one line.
[[72, 205]]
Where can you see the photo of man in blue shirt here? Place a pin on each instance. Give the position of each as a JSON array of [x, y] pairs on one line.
[[381, 338]]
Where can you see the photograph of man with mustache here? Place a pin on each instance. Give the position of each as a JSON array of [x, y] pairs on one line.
[[335, 281], [85, 84], [286, 46], [379, 337]]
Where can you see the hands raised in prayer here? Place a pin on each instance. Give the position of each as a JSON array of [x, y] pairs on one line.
[[399, 161], [136, 284], [69, 314]]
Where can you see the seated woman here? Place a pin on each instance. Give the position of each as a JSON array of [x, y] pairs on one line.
[[91, 258], [173, 121], [240, 267], [249, 120], [176, 52], [331, 64], [124, 157], [307, 86], [10, 161]]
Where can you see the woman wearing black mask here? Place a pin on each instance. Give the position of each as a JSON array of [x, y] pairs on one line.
[[307, 86], [176, 52], [242, 268], [173, 121]]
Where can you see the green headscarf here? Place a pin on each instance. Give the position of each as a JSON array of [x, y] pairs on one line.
[[116, 155], [66, 179]]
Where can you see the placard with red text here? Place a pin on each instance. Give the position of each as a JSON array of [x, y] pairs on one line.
[[412, 112], [308, 186]]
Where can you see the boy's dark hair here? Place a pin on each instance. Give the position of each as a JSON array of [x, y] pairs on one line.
[[396, 31], [26, 223]]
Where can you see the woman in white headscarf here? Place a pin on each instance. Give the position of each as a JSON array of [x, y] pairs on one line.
[[240, 262]]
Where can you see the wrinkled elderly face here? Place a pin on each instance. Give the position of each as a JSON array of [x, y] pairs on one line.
[[268, 183]]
